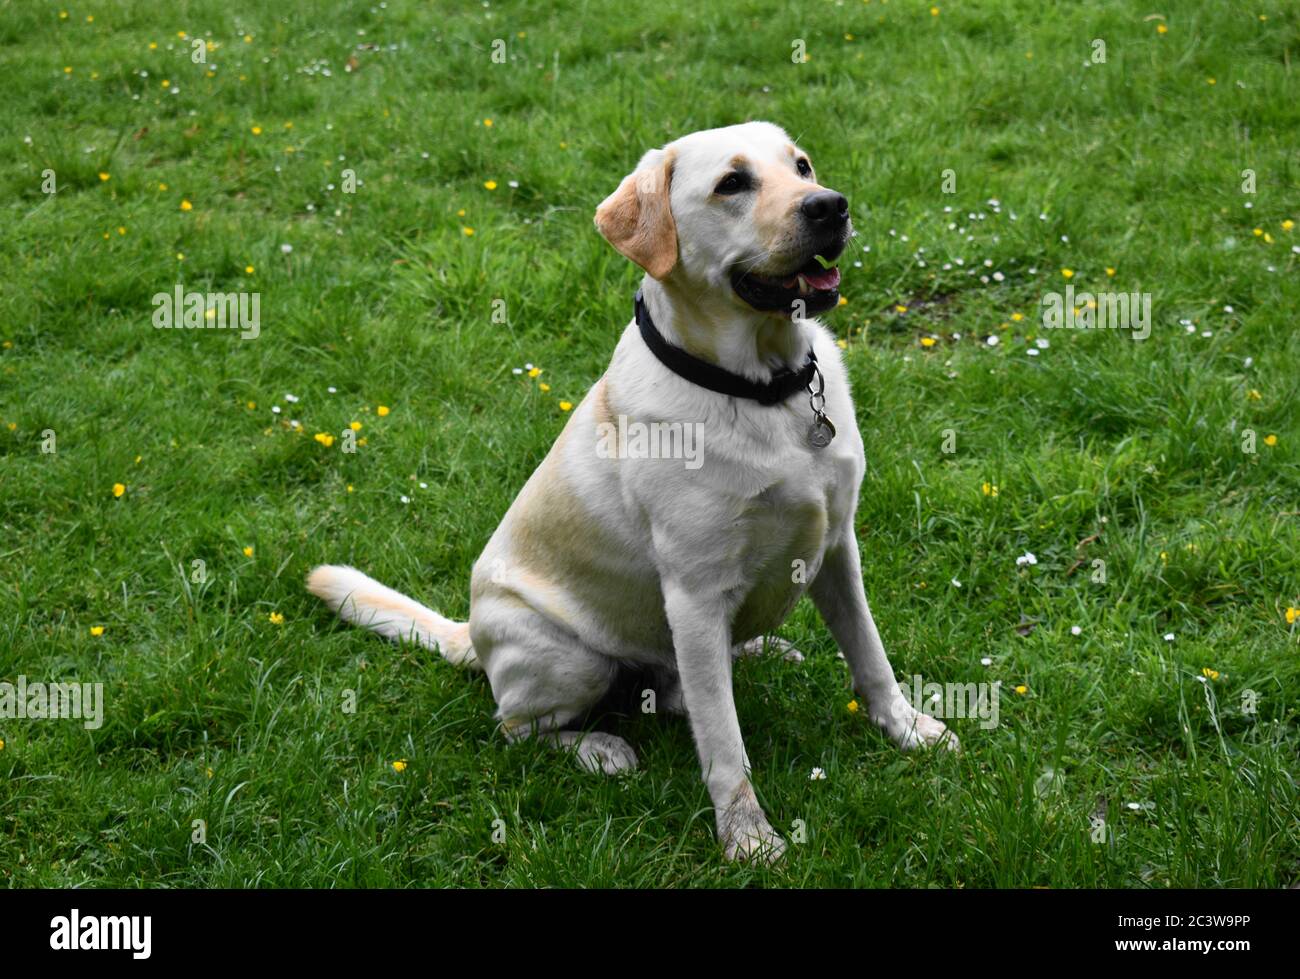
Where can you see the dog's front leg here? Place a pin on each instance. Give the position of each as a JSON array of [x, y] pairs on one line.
[[839, 596], [702, 643]]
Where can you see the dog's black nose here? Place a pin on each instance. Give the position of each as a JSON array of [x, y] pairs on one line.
[[825, 208]]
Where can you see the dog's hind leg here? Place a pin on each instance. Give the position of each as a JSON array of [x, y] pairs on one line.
[[547, 683], [595, 751], [768, 646]]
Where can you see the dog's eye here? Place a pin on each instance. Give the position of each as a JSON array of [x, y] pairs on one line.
[[804, 167], [732, 183]]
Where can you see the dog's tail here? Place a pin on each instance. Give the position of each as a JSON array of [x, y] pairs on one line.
[[365, 602]]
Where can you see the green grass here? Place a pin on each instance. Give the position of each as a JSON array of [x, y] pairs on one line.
[[215, 713]]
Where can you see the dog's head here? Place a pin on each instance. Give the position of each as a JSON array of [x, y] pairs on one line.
[[735, 210]]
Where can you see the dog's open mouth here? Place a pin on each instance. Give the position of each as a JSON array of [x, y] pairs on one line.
[[814, 286]]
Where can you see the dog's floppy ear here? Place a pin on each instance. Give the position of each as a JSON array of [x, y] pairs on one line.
[[637, 219]]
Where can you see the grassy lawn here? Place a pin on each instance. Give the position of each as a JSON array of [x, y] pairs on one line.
[[466, 251]]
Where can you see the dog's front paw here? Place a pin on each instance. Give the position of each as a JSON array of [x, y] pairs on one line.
[[745, 833], [910, 728]]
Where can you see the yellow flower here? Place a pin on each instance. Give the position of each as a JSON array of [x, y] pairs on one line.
[[1292, 614], [1288, 224], [1161, 29], [355, 426], [349, 487], [121, 230], [381, 411], [852, 706], [2, 744], [490, 184], [399, 765], [186, 206], [1270, 440], [900, 308], [1017, 316], [1257, 232], [96, 630], [166, 83], [63, 15], [181, 34], [1109, 271], [934, 11], [248, 270], [1209, 81], [1068, 273], [1253, 395], [1021, 689], [534, 371], [989, 489], [543, 387], [844, 301], [460, 213], [1268, 238], [566, 405], [153, 45], [927, 341], [1210, 674], [248, 551], [488, 123], [276, 618], [118, 489], [468, 231], [256, 130], [324, 439], [842, 344], [67, 69], [103, 175], [252, 405], [208, 772], [248, 38]]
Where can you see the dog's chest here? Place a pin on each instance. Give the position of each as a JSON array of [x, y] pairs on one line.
[[786, 530]]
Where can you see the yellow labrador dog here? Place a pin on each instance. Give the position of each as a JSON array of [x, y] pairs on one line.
[[707, 481]]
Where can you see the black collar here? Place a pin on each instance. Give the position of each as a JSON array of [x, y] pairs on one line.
[[784, 384]]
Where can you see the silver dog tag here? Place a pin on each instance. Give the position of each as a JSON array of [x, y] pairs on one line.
[[820, 432]]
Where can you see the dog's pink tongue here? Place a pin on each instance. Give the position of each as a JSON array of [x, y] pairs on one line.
[[825, 279]]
